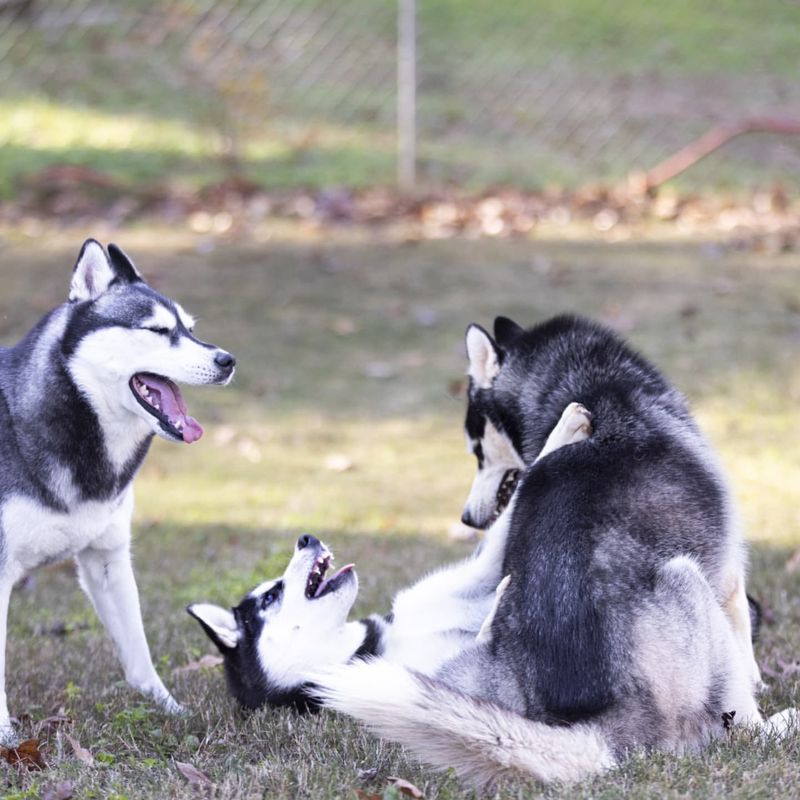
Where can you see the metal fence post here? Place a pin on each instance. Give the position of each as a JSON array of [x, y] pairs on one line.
[[406, 94]]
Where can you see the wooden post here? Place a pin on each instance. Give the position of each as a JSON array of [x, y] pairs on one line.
[[406, 95]]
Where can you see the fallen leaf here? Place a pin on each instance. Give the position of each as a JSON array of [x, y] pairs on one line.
[[207, 661], [58, 791], [362, 795], [81, 753], [26, 754], [406, 787], [196, 777]]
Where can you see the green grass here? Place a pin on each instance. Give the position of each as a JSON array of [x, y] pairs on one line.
[[153, 94], [307, 318]]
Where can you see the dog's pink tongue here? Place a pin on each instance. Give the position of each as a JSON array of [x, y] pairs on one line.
[[192, 430], [173, 406]]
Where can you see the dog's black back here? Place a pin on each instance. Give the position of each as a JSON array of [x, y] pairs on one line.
[[592, 521]]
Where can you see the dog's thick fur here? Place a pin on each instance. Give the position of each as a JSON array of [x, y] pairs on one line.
[[81, 397], [289, 626], [620, 619], [625, 622]]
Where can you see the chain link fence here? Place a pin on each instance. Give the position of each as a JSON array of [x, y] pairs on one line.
[[528, 93]]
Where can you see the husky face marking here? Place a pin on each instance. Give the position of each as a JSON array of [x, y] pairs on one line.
[[81, 396], [284, 627], [624, 624], [138, 345], [499, 467], [499, 460]]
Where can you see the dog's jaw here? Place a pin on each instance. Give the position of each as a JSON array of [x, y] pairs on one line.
[[162, 399]]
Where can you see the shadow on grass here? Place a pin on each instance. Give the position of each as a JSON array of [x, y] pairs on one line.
[[77, 675]]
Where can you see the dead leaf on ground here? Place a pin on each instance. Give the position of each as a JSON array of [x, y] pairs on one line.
[[406, 787], [81, 753], [362, 795], [27, 754], [207, 661], [196, 777]]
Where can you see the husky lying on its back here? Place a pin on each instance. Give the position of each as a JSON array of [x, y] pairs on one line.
[[286, 627], [621, 621], [80, 399]]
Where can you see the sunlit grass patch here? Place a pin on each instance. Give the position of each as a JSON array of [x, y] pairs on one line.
[[342, 422]]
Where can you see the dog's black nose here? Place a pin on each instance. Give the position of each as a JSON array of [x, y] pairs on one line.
[[305, 540], [467, 519], [224, 360]]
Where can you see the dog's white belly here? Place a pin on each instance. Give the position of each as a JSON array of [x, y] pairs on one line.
[[35, 535], [426, 632]]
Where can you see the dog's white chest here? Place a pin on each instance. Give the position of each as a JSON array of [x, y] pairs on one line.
[[35, 535]]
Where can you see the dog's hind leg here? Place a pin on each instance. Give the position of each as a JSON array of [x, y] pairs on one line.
[[106, 575], [737, 608], [7, 734]]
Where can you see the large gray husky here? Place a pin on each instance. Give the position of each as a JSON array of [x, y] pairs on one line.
[[620, 619], [81, 397]]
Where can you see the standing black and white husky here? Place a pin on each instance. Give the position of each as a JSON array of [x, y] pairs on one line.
[[81, 397], [620, 619]]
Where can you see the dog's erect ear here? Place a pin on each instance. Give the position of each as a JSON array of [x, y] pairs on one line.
[[484, 357], [122, 265], [92, 273], [505, 329], [218, 623]]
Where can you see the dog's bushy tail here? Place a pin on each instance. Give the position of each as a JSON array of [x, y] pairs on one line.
[[446, 728]]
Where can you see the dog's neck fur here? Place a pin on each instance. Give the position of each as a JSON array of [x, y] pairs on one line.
[[41, 397]]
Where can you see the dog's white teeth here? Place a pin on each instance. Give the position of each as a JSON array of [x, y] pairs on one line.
[[144, 390]]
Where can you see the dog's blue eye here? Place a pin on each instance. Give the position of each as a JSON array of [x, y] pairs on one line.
[[269, 597]]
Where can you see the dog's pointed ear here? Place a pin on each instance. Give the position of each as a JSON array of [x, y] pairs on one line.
[[484, 357], [505, 329], [122, 265], [218, 623], [92, 273]]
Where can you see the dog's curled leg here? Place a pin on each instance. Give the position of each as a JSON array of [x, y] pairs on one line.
[[106, 576], [485, 633], [574, 426]]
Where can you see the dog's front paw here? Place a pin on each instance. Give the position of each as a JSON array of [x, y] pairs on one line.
[[172, 706], [575, 424], [8, 735]]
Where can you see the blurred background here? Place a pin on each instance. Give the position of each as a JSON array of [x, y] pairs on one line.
[[178, 96]]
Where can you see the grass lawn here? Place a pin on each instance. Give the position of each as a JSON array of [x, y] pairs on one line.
[[303, 94], [350, 352]]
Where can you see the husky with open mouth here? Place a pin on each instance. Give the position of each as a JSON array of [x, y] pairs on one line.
[[622, 621], [81, 397], [297, 623], [605, 612]]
